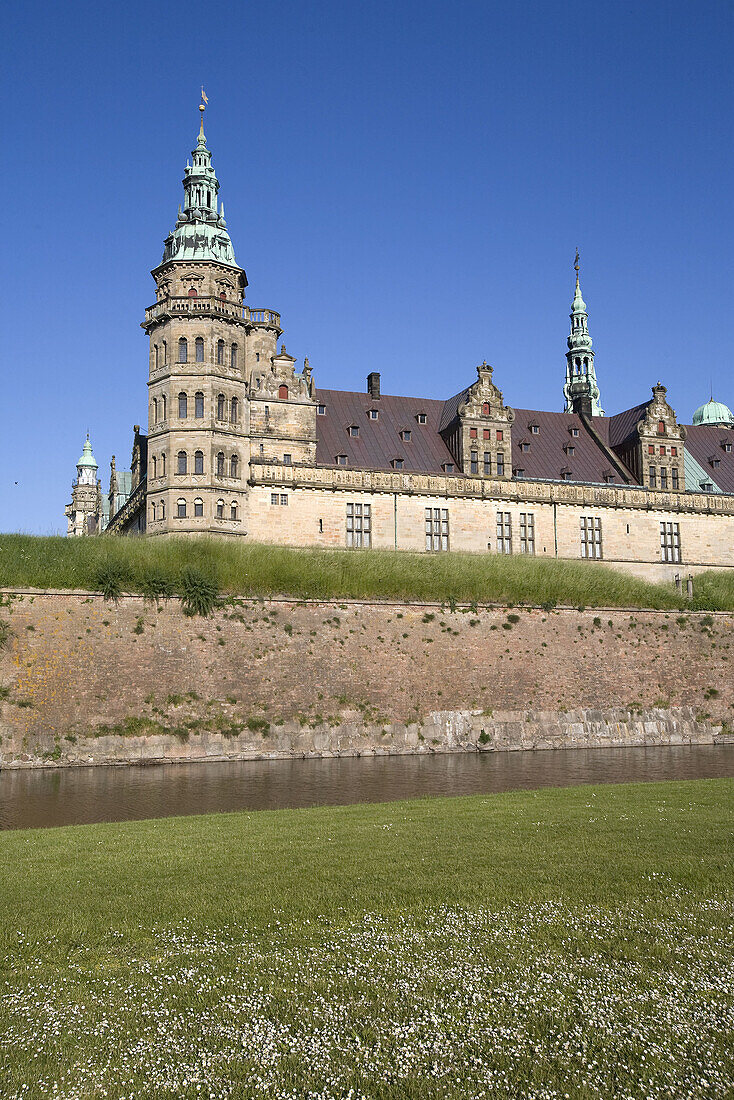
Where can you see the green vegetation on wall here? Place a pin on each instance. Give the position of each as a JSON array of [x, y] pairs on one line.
[[158, 569]]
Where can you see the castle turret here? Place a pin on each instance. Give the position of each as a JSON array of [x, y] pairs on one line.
[[581, 389], [83, 514]]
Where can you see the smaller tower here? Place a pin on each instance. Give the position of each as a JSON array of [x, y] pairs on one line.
[[581, 389], [84, 512]]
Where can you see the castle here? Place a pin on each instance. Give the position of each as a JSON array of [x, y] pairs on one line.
[[241, 442]]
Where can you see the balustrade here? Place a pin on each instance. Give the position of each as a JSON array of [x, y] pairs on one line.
[[211, 304]]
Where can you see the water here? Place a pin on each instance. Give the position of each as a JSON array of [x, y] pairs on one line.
[[74, 796]]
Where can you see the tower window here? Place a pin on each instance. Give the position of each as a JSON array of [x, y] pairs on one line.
[[221, 407], [155, 410], [208, 198], [163, 464], [674, 477], [653, 478], [155, 356], [663, 477], [162, 509], [183, 406], [233, 510], [192, 292], [235, 410], [220, 464], [165, 353], [183, 350], [181, 463], [485, 408], [487, 464], [661, 427], [220, 354], [474, 463], [233, 357], [198, 405], [181, 509], [500, 464], [198, 507], [220, 509], [283, 392], [233, 465], [198, 462], [154, 464], [199, 347]]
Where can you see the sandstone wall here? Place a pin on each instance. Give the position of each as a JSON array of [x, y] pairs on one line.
[[83, 681]]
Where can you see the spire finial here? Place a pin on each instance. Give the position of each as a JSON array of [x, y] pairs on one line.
[[576, 266], [202, 108]]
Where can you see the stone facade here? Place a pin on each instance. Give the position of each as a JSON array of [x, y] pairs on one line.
[[240, 441]]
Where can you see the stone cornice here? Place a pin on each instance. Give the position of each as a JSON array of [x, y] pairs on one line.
[[461, 487]]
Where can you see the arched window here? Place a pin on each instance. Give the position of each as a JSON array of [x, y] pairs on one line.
[[155, 356], [235, 410], [199, 345], [152, 512], [163, 464], [233, 462], [198, 507], [154, 462], [181, 463], [181, 508], [282, 391], [192, 292], [661, 427], [220, 351], [165, 353], [155, 410], [198, 462], [233, 510], [221, 407], [199, 405], [183, 406], [162, 509], [163, 406], [220, 464], [220, 509], [183, 350], [485, 408], [233, 357]]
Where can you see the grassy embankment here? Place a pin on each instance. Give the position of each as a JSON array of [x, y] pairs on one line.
[[541, 944], [162, 567]]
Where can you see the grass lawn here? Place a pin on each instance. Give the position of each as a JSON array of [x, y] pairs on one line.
[[154, 566], [558, 943]]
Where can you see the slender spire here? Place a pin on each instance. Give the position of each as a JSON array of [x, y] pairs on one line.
[[580, 390], [201, 231]]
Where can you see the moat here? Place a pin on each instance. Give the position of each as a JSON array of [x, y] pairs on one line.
[[74, 796]]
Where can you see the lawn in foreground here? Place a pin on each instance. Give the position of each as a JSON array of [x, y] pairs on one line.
[[538, 944]]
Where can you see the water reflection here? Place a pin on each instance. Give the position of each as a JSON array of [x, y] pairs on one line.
[[82, 795]]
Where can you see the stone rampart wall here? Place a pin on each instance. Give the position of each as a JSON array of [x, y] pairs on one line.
[[83, 681]]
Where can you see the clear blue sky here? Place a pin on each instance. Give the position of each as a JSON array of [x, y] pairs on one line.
[[405, 182]]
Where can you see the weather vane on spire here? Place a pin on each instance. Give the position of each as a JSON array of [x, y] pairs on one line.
[[576, 262], [202, 108]]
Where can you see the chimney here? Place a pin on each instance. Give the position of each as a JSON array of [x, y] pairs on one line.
[[373, 385]]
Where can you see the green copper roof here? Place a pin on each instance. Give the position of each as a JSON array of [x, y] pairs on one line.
[[713, 412], [200, 232], [87, 458], [579, 305]]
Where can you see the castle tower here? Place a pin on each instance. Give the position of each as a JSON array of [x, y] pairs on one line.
[[84, 512], [204, 343], [581, 389]]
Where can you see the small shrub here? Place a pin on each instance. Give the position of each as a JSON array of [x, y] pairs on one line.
[[156, 585], [428, 617], [109, 580], [139, 627], [483, 737], [199, 593], [513, 619], [597, 621], [258, 724]]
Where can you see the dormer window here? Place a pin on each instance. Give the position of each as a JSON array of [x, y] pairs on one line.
[[421, 418], [519, 471], [608, 477], [320, 409], [353, 429], [715, 462], [524, 445], [726, 446], [448, 467], [341, 460], [565, 474], [374, 413], [570, 449], [707, 486], [397, 463], [574, 432], [535, 429], [406, 435]]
